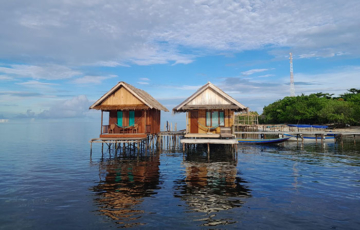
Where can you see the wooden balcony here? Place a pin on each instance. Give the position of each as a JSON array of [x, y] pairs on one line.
[[112, 131]]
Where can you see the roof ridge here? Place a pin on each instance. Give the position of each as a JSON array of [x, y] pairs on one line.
[[139, 93]]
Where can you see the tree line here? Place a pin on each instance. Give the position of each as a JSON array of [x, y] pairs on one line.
[[317, 108]]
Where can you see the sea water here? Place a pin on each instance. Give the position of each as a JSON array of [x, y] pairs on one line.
[[49, 181]]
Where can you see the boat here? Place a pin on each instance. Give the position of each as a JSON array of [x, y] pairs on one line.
[[263, 141], [328, 136]]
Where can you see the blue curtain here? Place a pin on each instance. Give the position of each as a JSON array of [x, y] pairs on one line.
[[119, 118], [215, 118], [131, 118], [208, 119], [222, 119]]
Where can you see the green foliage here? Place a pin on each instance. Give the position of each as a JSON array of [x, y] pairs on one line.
[[318, 108]]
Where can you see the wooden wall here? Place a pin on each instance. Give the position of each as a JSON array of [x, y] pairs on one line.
[[122, 97], [229, 114], [152, 119], [209, 97]]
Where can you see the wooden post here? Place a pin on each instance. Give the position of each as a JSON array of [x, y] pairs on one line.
[[354, 139], [158, 138], [101, 122], [316, 138], [145, 122], [183, 147], [297, 138], [341, 139], [91, 147], [208, 146], [302, 139]]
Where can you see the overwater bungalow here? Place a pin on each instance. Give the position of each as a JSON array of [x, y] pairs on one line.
[[133, 113], [209, 112]]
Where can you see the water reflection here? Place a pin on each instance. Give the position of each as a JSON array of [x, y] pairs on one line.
[[211, 187], [123, 185]]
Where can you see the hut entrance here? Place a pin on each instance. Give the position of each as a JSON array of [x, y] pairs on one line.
[[194, 122]]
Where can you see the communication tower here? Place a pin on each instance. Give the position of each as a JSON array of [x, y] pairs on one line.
[[292, 86]]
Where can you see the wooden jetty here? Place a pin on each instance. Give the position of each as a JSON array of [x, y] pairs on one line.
[[300, 134]]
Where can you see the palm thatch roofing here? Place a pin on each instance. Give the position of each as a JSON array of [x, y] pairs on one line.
[[144, 97], [206, 103]]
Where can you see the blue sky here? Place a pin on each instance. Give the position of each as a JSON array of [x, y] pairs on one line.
[[58, 57]]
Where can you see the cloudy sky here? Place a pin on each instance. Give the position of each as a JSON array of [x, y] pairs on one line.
[[59, 56]]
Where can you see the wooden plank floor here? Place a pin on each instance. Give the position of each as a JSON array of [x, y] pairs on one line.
[[201, 135], [209, 141], [125, 135]]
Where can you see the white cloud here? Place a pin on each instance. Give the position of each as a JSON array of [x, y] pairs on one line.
[[335, 81], [184, 87], [143, 82], [92, 79], [6, 78], [36, 84], [48, 72], [252, 71], [265, 90], [75, 107], [160, 32], [266, 75], [110, 64], [144, 79]]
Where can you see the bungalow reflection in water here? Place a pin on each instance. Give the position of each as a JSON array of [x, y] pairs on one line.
[[211, 187], [123, 184]]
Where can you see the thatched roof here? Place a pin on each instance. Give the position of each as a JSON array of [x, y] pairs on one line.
[[227, 102], [144, 97]]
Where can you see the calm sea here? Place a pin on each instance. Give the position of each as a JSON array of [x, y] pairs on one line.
[[49, 181]]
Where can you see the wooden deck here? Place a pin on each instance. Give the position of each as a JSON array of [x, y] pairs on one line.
[[125, 135], [201, 135], [298, 133], [209, 141]]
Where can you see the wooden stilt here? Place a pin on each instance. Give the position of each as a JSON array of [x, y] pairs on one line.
[[322, 138], [208, 152], [354, 139], [91, 147]]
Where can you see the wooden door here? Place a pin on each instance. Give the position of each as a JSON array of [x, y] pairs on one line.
[[194, 122]]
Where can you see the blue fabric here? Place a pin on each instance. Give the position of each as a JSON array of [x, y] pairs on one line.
[[131, 118], [222, 119], [215, 118], [208, 119], [120, 118], [310, 126]]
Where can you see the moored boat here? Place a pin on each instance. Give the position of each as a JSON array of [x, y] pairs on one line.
[[263, 141]]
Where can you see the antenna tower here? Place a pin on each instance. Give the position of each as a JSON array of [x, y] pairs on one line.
[[292, 86]]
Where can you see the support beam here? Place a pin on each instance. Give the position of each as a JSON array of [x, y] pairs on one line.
[[101, 129]]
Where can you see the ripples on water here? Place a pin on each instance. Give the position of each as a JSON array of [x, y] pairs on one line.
[[49, 181]]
